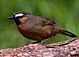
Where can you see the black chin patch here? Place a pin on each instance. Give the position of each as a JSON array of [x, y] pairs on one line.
[[17, 21]]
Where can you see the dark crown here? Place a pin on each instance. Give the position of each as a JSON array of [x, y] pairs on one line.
[[26, 13]]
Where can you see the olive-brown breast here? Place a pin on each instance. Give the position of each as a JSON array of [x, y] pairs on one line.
[[30, 34]]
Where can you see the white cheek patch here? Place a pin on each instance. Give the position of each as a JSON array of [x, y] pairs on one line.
[[19, 15]]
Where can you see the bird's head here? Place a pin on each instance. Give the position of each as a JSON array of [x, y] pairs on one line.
[[19, 17]]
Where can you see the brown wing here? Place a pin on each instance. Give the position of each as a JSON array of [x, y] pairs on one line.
[[46, 30], [38, 20], [41, 20], [47, 21]]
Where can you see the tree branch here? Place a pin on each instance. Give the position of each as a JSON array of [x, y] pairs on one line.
[[61, 49]]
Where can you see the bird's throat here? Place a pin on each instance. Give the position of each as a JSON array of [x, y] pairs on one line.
[[17, 21]]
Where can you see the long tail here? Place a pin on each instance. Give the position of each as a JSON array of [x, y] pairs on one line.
[[65, 32]]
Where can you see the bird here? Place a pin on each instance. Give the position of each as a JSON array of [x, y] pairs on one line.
[[37, 28]]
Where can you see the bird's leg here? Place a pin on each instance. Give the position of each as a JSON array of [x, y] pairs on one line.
[[36, 42], [43, 42], [31, 43]]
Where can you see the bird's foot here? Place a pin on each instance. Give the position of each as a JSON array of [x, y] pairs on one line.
[[36, 42]]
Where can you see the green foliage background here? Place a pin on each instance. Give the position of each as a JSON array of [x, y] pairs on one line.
[[64, 12]]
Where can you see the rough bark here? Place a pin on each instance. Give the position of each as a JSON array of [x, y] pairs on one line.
[[60, 49]]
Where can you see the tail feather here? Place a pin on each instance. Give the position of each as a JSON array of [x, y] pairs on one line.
[[65, 32]]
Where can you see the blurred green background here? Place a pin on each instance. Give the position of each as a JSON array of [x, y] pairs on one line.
[[64, 12]]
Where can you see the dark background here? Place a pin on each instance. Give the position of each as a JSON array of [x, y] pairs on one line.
[[64, 12]]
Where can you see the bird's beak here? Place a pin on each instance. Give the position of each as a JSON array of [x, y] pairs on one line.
[[11, 17]]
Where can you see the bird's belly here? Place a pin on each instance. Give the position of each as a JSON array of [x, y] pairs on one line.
[[30, 35]]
